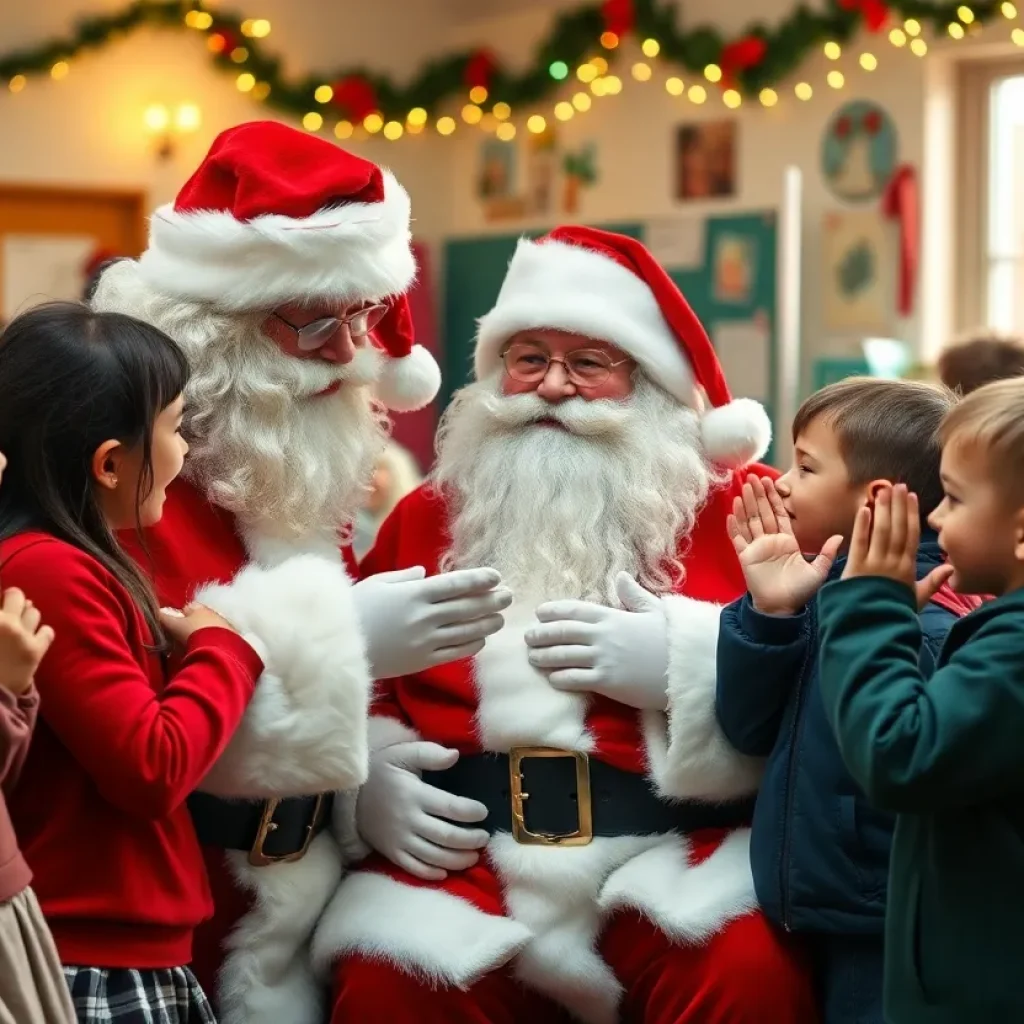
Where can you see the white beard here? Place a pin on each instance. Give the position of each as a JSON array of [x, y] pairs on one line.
[[287, 463], [560, 512]]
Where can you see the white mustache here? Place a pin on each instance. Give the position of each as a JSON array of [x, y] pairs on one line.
[[587, 419]]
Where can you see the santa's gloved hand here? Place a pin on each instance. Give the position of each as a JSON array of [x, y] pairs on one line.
[[622, 654], [411, 622], [401, 816]]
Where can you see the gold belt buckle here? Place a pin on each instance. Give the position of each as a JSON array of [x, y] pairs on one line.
[[267, 825], [584, 833]]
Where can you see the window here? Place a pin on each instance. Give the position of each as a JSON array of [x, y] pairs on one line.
[[1004, 250]]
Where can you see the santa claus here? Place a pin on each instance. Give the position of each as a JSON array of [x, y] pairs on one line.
[[281, 270], [585, 856]]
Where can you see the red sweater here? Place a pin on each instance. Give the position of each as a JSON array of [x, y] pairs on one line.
[[99, 809]]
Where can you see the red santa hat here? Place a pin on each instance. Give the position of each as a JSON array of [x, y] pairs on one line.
[[609, 287], [276, 215]]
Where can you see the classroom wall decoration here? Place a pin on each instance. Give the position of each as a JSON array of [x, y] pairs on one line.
[[859, 151], [706, 160], [858, 285]]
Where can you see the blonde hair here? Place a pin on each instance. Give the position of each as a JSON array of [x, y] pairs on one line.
[[992, 419]]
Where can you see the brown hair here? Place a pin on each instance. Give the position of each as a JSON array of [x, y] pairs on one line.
[[992, 419], [886, 429], [980, 360]]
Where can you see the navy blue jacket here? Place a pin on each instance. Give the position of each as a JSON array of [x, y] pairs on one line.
[[819, 852]]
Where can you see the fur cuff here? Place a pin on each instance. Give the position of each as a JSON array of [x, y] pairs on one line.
[[305, 728], [690, 757]]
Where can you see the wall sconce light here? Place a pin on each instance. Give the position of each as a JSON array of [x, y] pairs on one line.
[[166, 125]]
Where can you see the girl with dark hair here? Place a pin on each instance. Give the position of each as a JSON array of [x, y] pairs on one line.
[[90, 417]]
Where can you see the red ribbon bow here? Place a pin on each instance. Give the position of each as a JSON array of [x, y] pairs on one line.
[[480, 69], [874, 12], [739, 56], [619, 16], [356, 96]]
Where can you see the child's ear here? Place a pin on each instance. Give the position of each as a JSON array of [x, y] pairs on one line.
[[1018, 538], [871, 491], [106, 464]]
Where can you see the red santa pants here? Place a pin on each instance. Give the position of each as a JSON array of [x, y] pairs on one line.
[[746, 974]]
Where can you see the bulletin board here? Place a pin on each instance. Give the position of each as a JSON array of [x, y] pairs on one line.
[[726, 266]]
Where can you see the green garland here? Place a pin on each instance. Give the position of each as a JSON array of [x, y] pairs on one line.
[[573, 38]]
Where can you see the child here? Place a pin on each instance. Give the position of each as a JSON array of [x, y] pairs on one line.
[[819, 850], [90, 413], [987, 357], [946, 755], [32, 988]]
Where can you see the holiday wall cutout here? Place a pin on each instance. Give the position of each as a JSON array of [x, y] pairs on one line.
[[858, 285], [345, 98], [859, 151], [706, 160]]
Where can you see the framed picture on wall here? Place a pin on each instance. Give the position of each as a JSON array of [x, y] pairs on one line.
[[705, 165]]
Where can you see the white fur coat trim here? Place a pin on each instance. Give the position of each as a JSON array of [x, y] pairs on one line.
[[304, 730], [353, 252], [558, 900], [690, 757], [267, 977]]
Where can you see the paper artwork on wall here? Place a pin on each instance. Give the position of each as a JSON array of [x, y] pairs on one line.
[[38, 268], [735, 268], [579, 169], [678, 243], [706, 160], [858, 271], [859, 151], [497, 184]]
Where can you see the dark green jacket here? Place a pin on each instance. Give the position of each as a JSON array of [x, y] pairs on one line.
[[947, 755]]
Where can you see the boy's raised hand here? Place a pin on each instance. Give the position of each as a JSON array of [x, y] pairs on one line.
[[885, 541], [780, 580]]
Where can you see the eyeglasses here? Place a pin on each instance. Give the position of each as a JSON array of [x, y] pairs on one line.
[[313, 336], [586, 367]]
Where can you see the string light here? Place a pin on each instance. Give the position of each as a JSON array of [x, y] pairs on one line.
[[713, 73], [559, 70], [918, 47], [600, 64], [582, 102], [597, 86], [414, 129], [323, 94], [1009, 11], [1017, 35], [651, 47], [216, 43], [156, 117], [199, 19], [344, 130], [446, 125], [642, 72], [536, 124], [674, 86], [313, 121], [804, 90], [471, 113], [731, 98], [17, 83], [868, 61], [769, 97], [965, 14], [912, 27], [417, 116], [564, 111], [586, 73], [898, 37], [60, 70], [697, 94], [478, 94], [502, 111], [373, 123], [187, 117], [245, 82], [836, 79], [260, 28], [261, 90], [612, 85], [239, 54], [609, 40], [393, 130], [833, 51], [506, 131], [956, 30]]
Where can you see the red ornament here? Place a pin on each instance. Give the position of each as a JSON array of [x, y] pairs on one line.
[[843, 127], [480, 69], [619, 16], [740, 56], [222, 41], [874, 12], [872, 122], [355, 96]]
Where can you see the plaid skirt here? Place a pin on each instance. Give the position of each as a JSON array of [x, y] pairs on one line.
[[166, 996]]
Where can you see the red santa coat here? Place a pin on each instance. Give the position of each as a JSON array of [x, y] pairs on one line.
[[544, 906], [304, 732]]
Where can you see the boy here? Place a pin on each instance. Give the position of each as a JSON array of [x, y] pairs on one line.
[[819, 851], [948, 755], [970, 364]]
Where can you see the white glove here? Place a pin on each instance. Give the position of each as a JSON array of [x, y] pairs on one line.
[[400, 816], [586, 647], [411, 623]]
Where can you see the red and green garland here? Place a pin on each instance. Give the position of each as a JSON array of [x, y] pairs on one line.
[[759, 57]]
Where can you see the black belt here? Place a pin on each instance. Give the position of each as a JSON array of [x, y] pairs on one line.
[[553, 797], [270, 831]]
